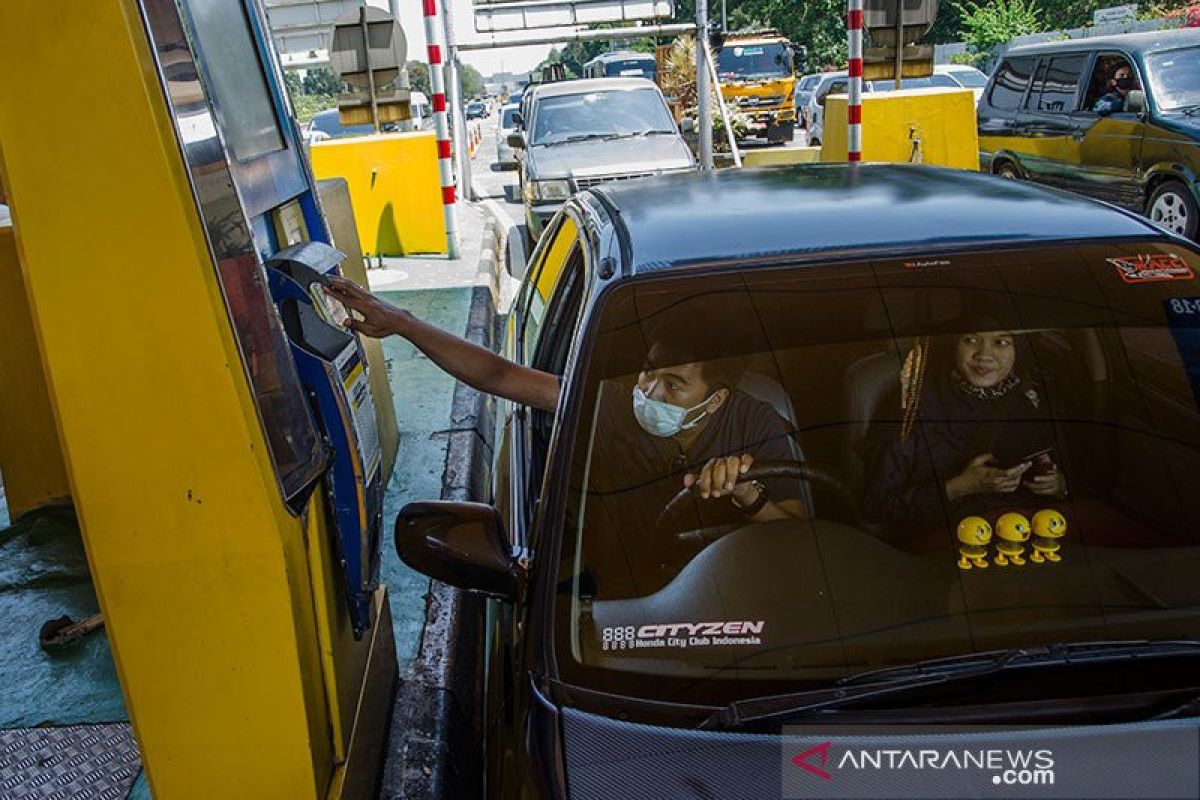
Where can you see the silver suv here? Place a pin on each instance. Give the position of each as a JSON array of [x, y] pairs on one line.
[[580, 133]]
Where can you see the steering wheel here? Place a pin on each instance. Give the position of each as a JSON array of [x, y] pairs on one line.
[[762, 470]]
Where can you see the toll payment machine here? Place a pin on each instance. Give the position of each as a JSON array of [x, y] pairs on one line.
[[225, 439], [333, 369]]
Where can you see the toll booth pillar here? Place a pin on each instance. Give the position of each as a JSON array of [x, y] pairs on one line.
[[30, 455], [237, 660]]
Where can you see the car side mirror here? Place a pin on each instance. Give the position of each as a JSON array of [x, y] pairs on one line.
[[516, 140], [687, 125], [462, 544], [821, 100], [1135, 101]]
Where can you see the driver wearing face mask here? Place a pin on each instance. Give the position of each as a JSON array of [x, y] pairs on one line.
[[1119, 86], [682, 424]]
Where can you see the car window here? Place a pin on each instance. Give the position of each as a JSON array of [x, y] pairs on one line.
[[613, 113], [893, 377], [1012, 79], [507, 120], [970, 78], [936, 80], [1175, 78], [1057, 84], [1104, 67], [543, 280]]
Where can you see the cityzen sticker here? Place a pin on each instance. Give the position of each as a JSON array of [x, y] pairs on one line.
[[1152, 267], [681, 635]]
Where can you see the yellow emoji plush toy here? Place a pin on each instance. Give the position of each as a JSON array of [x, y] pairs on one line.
[[974, 533], [1048, 527], [1012, 531]]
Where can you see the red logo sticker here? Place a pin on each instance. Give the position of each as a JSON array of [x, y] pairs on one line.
[[822, 751], [1152, 267]]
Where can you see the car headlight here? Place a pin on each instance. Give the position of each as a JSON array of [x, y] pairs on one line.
[[550, 190]]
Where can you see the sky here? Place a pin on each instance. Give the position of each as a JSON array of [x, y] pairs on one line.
[[510, 59]]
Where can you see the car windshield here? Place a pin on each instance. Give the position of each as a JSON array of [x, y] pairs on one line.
[[752, 61], [1175, 78], [327, 123], [941, 455], [810, 83], [611, 113], [631, 67], [970, 78], [914, 83]]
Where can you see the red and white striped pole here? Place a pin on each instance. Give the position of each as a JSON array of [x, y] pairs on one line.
[[437, 86], [854, 30]]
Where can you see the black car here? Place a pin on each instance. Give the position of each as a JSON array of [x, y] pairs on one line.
[[476, 109], [1053, 114], [647, 641]]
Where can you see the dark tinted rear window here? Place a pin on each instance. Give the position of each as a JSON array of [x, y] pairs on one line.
[[1012, 79], [1058, 84]]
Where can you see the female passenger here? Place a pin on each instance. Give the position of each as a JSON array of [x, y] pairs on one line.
[[974, 437]]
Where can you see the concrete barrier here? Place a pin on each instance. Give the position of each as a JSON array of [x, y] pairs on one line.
[[395, 189], [930, 126], [775, 156]]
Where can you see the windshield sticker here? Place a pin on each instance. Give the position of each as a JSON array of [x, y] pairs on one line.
[[1150, 267], [927, 263], [1183, 319], [682, 635]]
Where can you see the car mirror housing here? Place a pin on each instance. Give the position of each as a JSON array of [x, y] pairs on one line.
[[462, 544], [1135, 101], [687, 125], [516, 140]]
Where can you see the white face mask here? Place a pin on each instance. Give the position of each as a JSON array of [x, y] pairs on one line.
[[658, 418]]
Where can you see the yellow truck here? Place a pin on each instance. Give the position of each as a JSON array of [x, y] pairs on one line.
[[757, 73]]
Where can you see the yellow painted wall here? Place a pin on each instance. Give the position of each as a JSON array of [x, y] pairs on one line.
[[395, 189], [30, 455], [942, 119]]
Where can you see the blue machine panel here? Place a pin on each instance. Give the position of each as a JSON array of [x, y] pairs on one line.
[[333, 369]]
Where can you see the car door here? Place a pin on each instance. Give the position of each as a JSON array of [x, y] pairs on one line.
[[1051, 146], [1110, 145], [541, 317]]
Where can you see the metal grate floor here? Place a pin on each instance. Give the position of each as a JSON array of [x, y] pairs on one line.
[[77, 762]]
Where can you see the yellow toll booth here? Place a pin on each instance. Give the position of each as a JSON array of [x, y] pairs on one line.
[[172, 369]]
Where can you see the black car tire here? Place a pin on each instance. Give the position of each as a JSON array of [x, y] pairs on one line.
[[1007, 169], [1172, 206]]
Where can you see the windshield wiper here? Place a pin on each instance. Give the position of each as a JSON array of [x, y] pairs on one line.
[[934, 672], [1190, 110]]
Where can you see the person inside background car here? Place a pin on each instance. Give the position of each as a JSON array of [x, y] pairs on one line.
[[1119, 85], [682, 423]]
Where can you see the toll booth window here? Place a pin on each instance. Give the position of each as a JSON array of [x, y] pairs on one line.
[[239, 86]]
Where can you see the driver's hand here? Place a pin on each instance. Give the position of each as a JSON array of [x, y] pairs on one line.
[[719, 478], [378, 319]]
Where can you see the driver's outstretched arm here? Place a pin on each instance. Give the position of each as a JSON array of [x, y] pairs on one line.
[[468, 362]]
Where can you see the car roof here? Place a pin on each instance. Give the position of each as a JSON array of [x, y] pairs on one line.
[[1142, 42], [590, 85], [767, 212]]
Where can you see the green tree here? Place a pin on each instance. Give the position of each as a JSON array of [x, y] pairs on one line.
[[418, 76], [322, 81], [471, 81], [997, 22]]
